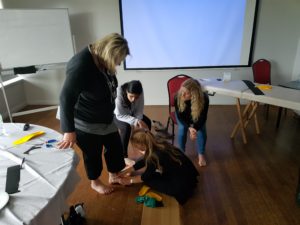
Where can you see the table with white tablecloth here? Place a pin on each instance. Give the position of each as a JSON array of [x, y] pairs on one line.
[[273, 95], [47, 177]]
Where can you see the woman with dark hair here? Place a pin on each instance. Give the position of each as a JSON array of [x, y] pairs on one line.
[[164, 167], [87, 103], [129, 112]]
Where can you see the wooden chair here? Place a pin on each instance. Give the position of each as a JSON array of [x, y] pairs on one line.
[[262, 75], [262, 71], [173, 86]]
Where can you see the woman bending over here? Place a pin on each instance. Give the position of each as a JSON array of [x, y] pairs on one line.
[[87, 103], [191, 107], [129, 112], [165, 168]]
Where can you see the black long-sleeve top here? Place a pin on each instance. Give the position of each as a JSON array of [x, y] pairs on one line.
[[178, 180], [186, 117], [86, 94]]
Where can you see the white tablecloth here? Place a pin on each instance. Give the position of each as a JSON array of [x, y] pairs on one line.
[[279, 96], [47, 178]]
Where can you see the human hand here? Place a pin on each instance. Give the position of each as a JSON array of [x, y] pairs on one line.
[[69, 139], [125, 180], [193, 133], [142, 124], [125, 172]]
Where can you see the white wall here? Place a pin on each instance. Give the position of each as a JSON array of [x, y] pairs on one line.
[[296, 68], [16, 98], [277, 38]]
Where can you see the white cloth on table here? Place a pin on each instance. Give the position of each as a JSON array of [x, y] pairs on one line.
[[47, 178]]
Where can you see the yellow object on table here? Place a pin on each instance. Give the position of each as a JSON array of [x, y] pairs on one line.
[[264, 87], [28, 137]]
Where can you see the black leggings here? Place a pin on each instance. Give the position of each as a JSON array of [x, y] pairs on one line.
[[91, 146], [125, 132]]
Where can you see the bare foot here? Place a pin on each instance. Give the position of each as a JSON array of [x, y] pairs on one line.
[[101, 188], [129, 162], [201, 160], [113, 178]]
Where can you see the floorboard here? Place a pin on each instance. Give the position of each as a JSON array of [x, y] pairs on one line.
[[243, 184]]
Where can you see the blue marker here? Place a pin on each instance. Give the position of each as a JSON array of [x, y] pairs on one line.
[[51, 141]]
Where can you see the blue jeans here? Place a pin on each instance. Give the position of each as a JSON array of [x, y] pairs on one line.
[[182, 136]]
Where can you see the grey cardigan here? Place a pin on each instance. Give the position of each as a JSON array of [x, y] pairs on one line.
[[129, 115]]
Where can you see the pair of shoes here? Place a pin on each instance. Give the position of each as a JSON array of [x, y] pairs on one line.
[[158, 125]]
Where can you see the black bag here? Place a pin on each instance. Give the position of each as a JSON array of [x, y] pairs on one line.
[[76, 216]]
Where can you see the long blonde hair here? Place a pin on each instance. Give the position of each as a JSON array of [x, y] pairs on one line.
[[109, 50], [197, 98], [142, 137]]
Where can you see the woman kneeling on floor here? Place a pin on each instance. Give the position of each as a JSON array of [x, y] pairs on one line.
[[164, 167]]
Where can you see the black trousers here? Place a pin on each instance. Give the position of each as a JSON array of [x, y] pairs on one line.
[[91, 146], [125, 132]]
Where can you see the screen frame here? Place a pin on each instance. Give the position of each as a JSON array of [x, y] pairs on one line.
[[250, 57]]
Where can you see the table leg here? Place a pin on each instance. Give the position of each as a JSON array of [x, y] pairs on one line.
[[256, 121], [278, 117], [254, 106], [240, 123], [244, 118]]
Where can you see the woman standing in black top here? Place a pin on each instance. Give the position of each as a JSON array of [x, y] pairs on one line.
[[165, 168], [87, 103]]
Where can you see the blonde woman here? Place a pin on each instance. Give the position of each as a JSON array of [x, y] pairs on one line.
[[191, 113], [87, 103], [164, 167]]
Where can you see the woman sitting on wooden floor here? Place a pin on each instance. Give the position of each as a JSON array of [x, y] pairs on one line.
[[164, 167]]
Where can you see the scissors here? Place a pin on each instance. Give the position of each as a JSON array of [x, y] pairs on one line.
[[36, 146], [49, 144]]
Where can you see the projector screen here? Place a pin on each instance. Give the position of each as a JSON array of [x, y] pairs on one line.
[[172, 34]]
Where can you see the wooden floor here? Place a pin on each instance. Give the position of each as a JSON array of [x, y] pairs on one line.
[[252, 184]]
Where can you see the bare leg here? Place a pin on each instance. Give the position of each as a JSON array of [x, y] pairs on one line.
[[101, 188], [201, 160]]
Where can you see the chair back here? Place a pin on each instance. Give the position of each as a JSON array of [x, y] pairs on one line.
[[174, 84], [262, 71]]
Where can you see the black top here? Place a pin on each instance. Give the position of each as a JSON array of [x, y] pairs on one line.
[[178, 180], [88, 94], [186, 118]]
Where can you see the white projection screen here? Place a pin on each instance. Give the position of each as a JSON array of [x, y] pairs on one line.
[[168, 34]]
